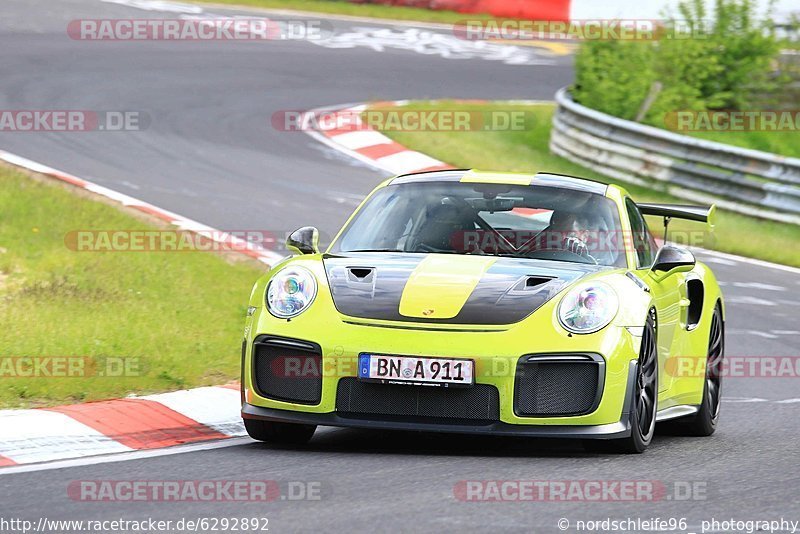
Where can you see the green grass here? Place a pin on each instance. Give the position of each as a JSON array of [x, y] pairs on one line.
[[527, 151], [342, 7], [178, 316]]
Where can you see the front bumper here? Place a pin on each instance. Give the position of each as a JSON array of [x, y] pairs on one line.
[[620, 429], [613, 430]]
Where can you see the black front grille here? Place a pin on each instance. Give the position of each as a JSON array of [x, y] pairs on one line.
[[288, 370], [553, 387], [474, 405]]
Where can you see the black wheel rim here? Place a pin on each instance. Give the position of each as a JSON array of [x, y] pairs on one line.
[[716, 353], [646, 383]]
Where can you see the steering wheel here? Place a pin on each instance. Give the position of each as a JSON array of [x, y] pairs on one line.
[[558, 253]]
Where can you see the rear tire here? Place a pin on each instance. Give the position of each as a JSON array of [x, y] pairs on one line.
[[280, 433], [644, 403]]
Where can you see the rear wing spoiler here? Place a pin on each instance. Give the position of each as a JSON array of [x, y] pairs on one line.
[[679, 211]]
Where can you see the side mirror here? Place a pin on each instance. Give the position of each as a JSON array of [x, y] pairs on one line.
[[303, 241], [670, 260]]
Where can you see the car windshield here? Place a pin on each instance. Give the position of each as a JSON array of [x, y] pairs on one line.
[[553, 223]]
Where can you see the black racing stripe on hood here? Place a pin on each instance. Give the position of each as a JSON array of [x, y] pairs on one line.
[[501, 296]]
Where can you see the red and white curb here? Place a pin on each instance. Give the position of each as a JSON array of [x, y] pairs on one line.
[[341, 128], [120, 425], [183, 223]]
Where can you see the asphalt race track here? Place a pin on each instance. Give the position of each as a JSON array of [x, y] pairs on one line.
[[211, 154]]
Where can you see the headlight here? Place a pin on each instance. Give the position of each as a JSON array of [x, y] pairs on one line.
[[290, 292], [588, 308]]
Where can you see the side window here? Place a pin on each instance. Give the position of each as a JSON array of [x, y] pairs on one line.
[[643, 241]]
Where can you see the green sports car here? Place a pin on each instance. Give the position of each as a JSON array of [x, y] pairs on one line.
[[494, 303]]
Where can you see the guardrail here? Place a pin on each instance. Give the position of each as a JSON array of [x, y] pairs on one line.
[[737, 179]]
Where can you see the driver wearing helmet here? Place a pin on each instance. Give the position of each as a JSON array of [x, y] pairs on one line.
[[570, 231]]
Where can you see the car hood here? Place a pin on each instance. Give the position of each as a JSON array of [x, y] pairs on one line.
[[446, 288]]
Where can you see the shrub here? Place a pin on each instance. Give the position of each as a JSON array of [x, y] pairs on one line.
[[727, 63]]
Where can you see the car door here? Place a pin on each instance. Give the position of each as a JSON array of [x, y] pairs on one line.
[[666, 293]]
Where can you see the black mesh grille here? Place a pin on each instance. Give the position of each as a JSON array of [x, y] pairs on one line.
[[556, 388], [288, 371], [476, 404]]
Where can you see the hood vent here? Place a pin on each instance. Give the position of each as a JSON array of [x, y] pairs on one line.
[[535, 281], [360, 274], [531, 283]]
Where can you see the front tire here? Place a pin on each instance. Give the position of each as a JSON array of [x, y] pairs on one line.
[[645, 399], [279, 433]]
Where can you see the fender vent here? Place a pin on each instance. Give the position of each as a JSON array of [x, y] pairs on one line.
[[694, 292]]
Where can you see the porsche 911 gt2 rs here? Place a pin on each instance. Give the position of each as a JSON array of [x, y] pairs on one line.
[[497, 303]]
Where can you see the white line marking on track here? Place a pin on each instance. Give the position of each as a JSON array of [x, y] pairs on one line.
[[361, 139], [141, 454], [157, 5], [407, 161], [28, 436], [744, 399], [788, 401], [754, 301], [752, 261], [294, 13], [721, 261], [759, 285], [113, 195], [442, 44], [758, 333], [31, 165], [126, 456]]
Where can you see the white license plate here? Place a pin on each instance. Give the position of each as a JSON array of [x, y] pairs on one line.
[[413, 370]]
